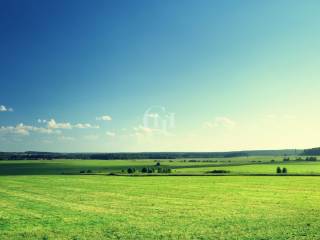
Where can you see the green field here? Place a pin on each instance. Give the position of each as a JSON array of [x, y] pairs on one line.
[[38, 202]]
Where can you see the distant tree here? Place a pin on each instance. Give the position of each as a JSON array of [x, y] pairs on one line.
[[286, 159], [279, 170], [89, 171], [158, 164], [272, 161], [284, 170], [311, 159], [144, 170], [130, 170]]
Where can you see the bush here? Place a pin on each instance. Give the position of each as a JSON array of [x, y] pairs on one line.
[[219, 171], [158, 164], [311, 159], [82, 171], [279, 170], [89, 171], [284, 170], [272, 161], [144, 170], [164, 170], [286, 159], [131, 170]]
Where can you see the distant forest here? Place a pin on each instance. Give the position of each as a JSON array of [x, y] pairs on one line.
[[31, 155], [312, 152]]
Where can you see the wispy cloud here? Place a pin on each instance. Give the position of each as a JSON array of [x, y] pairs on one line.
[[85, 125], [5, 109], [52, 124], [110, 134], [141, 130], [104, 118], [25, 130], [52, 127], [219, 122]]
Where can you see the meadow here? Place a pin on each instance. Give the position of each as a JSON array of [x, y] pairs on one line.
[[39, 202]]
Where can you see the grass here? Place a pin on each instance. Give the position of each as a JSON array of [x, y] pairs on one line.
[[38, 202], [100, 207], [53, 167], [293, 168]]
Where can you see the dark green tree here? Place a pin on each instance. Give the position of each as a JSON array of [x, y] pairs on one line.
[[279, 170]]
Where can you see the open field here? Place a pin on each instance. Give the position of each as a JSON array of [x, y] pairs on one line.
[[39, 202], [111, 207], [236, 166], [293, 168]]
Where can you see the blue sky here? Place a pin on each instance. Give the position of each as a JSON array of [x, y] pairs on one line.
[[108, 76]]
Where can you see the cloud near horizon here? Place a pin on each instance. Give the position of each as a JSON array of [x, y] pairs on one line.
[[224, 122], [110, 134], [104, 118], [52, 127], [52, 124]]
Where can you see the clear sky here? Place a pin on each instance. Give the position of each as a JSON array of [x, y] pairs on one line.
[[159, 75]]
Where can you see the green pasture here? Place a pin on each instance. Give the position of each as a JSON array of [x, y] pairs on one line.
[[39, 202], [113, 207]]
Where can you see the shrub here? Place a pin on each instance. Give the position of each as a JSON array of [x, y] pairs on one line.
[[286, 159], [219, 171], [272, 161], [311, 159], [82, 171], [158, 164], [144, 170], [284, 170], [130, 170], [279, 170], [89, 171]]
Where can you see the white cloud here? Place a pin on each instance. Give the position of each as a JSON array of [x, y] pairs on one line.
[[85, 125], [5, 109], [110, 134], [142, 129], [104, 118], [25, 130], [220, 122], [52, 127], [42, 120], [52, 124], [66, 138]]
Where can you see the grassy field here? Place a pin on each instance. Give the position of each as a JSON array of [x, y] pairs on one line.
[[38, 202], [293, 168], [236, 166]]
